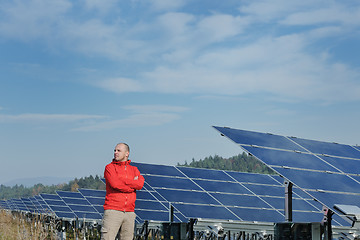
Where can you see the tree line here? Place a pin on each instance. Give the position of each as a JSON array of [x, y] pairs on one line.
[[19, 191], [241, 163]]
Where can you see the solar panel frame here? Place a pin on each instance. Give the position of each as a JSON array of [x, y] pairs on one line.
[[334, 178]]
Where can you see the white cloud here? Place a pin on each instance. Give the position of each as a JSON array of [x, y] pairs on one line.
[[219, 27], [36, 117], [274, 65], [33, 19], [100, 6], [140, 116], [155, 108], [162, 5], [121, 85], [265, 10], [209, 53], [333, 14]]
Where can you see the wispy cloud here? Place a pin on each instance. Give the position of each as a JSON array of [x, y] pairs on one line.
[[36, 117], [250, 50], [140, 116], [120, 85]]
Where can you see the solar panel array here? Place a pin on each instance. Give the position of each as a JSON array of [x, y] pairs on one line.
[[328, 172], [219, 194], [188, 193], [63, 205]]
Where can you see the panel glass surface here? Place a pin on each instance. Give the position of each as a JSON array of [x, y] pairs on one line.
[[201, 211], [269, 190], [92, 193], [290, 159], [55, 202], [308, 216], [3, 204], [262, 215], [240, 200], [82, 208], [320, 180], [258, 139], [12, 205], [50, 196], [99, 208], [149, 195], [29, 205], [278, 179], [64, 194], [152, 215], [336, 198], [345, 165], [224, 187], [20, 205], [61, 208], [169, 182], [333, 149], [187, 196], [252, 178], [144, 195], [88, 215], [161, 170], [69, 215], [149, 205], [96, 200], [205, 174], [298, 192], [76, 201], [36, 204]]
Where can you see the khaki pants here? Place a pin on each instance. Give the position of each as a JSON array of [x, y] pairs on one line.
[[113, 221]]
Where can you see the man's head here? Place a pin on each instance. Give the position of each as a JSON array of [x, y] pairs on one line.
[[121, 152]]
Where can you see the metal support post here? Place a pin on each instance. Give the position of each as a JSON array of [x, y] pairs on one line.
[[288, 201], [190, 229], [327, 223], [171, 213]]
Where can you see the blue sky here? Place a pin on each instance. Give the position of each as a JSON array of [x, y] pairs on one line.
[[76, 77]]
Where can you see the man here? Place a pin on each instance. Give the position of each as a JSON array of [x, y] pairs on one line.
[[122, 181]]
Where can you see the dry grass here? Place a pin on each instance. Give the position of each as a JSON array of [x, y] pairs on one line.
[[19, 227]]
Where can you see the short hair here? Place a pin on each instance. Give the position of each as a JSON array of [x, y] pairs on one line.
[[126, 146]]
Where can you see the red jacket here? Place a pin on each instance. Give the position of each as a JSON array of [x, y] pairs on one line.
[[121, 186]]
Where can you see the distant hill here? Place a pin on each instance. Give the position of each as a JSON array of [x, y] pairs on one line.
[[29, 182]]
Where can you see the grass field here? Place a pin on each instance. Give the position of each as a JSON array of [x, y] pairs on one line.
[[19, 227]]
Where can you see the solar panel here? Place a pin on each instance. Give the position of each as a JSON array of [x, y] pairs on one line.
[[95, 197], [11, 205], [29, 205], [58, 206], [219, 194], [4, 205], [45, 208], [328, 172], [20, 205], [79, 205]]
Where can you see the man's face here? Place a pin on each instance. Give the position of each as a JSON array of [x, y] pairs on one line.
[[120, 153]]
